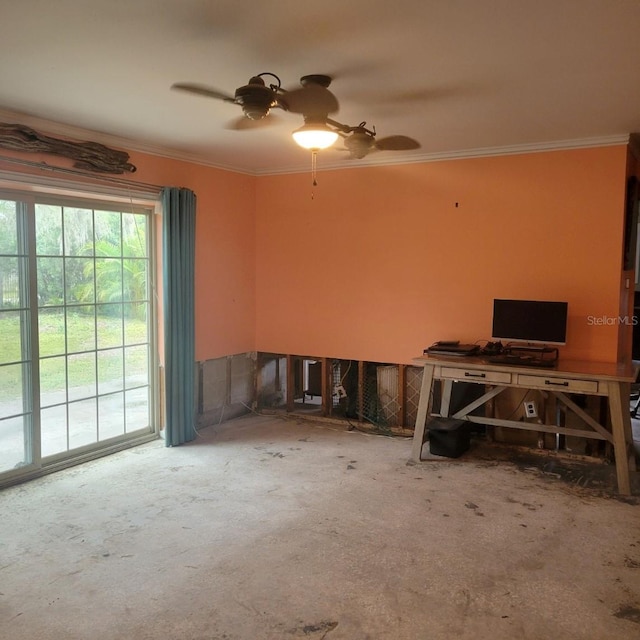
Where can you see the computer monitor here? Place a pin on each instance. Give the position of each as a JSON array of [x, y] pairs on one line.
[[530, 321]]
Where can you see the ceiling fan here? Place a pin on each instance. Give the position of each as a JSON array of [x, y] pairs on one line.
[[360, 141], [313, 101]]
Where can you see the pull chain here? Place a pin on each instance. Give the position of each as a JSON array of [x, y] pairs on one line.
[[314, 162]]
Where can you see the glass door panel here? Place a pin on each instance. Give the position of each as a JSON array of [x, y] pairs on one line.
[[76, 352], [97, 350], [83, 423], [56, 439], [15, 370]]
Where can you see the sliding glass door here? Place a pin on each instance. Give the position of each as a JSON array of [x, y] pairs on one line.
[[77, 351], [16, 371]]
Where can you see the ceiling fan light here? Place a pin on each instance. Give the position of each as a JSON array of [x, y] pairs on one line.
[[314, 136], [255, 112]]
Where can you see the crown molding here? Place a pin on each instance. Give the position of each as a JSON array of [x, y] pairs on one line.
[[484, 152], [127, 144]]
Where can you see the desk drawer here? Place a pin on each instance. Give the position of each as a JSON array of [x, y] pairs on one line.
[[558, 384], [474, 375]]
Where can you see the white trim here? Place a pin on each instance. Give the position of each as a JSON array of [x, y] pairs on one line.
[[485, 152], [64, 187], [374, 160]]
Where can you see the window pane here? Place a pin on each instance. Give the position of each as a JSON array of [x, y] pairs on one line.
[[48, 230], [135, 279], [135, 324], [53, 381], [136, 365], [53, 430], [137, 409], [81, 328], [81, 375], [108, 234], [11, 400], [50, 281], [10, 336], [78, 232], [109, 325], [111, 416], [8, 232], [12, 435], [9, 283], [83, 423], [78, 279], [51, 331], [134, 241], [109, 279], [110, 370]]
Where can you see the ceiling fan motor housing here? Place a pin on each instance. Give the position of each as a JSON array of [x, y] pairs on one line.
[[359, 144], [256, 99]]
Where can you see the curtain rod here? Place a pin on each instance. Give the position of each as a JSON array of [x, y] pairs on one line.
[[76, 172]]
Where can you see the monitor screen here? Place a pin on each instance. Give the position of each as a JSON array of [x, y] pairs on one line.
[[535, 321]]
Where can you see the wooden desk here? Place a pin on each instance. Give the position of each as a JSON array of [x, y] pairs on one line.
[[568, 377]]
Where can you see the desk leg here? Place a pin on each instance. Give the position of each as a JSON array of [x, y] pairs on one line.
[[445, 400], [423, 410], [620, 427]]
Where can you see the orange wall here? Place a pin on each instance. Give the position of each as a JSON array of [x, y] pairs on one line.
[[382, 262], [225, 251]]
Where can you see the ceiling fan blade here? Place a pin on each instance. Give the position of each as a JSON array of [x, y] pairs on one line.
[[202, 90], [246, 124], [396, 143], [310, 100]]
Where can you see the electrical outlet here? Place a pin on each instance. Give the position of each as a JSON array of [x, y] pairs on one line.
[[339, 391], [530, 409]]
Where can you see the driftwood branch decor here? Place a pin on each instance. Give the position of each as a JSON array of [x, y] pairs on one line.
[[89, 156]]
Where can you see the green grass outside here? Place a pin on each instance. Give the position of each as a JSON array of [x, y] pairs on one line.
[[103, 338]]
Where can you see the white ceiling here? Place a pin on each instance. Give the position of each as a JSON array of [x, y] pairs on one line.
[[457, 75]]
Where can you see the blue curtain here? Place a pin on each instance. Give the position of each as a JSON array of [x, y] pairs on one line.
[[178, 269]]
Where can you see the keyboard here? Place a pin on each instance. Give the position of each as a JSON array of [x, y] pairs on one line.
[[453, 349], [521, 361]]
